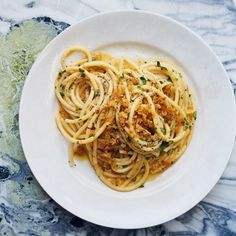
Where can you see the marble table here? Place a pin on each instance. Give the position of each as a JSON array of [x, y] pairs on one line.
[[26, 27]]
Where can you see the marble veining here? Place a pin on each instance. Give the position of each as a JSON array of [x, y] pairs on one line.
[[25, 29]]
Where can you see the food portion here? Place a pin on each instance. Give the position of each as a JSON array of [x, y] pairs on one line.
[[133, 119]]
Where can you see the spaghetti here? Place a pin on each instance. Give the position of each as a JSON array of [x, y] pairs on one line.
[[133, 119]]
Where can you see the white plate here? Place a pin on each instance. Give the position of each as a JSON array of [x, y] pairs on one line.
[[78, 189]]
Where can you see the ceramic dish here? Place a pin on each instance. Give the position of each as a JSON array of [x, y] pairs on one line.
[[78, 189]]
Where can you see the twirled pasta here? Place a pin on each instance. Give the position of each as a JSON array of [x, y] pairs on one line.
[[133, 119]]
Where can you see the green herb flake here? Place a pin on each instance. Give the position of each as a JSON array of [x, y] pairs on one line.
[[129, 139], [164, 68], [141, 186], [82, 75], [98, 92], [143, 80], [81, 69], [122, 76], [164, 145], [195, 115], [62, 94], [62, 86], [187, 124], [158, 64], [163, 130]]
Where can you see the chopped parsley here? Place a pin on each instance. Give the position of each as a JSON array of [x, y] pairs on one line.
[[141, 186], [122, 76], [81, 69], [187, 124], [82, 75], [61, 72], [62, 94], [195, 115], [164, 145], [62, 86], [129, 139], [98, 92], [143, 80], [163, 130], [164, 68]]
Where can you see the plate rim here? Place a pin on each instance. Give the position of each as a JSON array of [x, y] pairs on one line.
[[193, 202]]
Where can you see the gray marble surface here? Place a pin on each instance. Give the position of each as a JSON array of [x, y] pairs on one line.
[[25, 29]]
